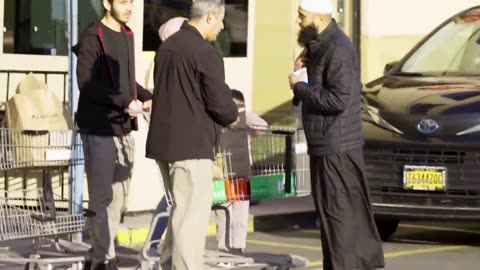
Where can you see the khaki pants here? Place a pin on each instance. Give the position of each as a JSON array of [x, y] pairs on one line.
[[108, 164], [191, 186], [238, 212]]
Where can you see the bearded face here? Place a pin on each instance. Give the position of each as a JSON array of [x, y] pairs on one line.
[[307, 34], [121, 11]]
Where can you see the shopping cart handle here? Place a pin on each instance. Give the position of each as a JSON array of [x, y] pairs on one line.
[[283, 132], [88, 213], [35, 132], [42, 218], [144, 112]]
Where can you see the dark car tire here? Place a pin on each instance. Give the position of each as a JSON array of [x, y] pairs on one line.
[[386, 227]]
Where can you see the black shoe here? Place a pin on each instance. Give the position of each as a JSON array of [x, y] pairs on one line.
[[88, 265], [234, 251], [237, 251], [108, 265], [88, 260]]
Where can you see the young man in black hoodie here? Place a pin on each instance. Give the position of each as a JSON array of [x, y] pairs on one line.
[[191, 101], [106, 79]]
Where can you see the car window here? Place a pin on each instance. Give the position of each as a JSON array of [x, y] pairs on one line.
[[452, 50]]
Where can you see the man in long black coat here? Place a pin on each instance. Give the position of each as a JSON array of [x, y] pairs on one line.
[[329, 90]]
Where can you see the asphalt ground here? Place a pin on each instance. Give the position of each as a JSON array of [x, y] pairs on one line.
[[287, 226], [438, 246]]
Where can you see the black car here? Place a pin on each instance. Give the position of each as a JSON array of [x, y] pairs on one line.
[[422, 129]]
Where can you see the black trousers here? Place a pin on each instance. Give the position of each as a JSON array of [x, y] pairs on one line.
[[350, 238]]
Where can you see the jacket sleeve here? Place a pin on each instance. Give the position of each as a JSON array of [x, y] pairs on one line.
[[334, 96], [88, 66], [143, 94], [216, 94]]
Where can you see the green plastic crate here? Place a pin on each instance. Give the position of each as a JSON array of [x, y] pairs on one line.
[[219, 191], [264, 187]]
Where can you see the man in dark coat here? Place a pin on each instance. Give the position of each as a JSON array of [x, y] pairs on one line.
[[329, 90], [190, 105]]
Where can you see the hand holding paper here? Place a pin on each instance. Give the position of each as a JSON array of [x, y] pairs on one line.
[[299, 75]]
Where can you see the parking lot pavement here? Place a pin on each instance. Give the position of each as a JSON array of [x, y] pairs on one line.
[[414, 246], [438, 246]]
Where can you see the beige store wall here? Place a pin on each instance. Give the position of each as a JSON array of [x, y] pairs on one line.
[[377, 51], [2, 4], [273, 56], [390, 28]]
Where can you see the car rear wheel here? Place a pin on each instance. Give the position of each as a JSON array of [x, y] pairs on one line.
[[386, 227]]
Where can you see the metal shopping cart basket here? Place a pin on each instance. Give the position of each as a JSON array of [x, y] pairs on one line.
[[280, 164], [37, 213], [280, 168]]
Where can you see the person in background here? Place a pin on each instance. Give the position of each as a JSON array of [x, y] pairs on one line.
[[166, 30], [236, 141]]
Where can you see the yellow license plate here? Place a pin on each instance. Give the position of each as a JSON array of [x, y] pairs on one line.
[[424, 177]]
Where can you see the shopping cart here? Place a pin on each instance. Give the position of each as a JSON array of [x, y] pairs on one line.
[[37, 213], [280, 164], [280, 169]]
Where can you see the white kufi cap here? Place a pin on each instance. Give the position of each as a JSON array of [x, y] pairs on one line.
[[317, 6]]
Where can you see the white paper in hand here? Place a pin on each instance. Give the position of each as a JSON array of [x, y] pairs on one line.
[[298, 72]]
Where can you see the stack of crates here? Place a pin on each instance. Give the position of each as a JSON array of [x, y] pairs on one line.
[[264, 187], [219, 191], [226, 186], [228, 190]]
